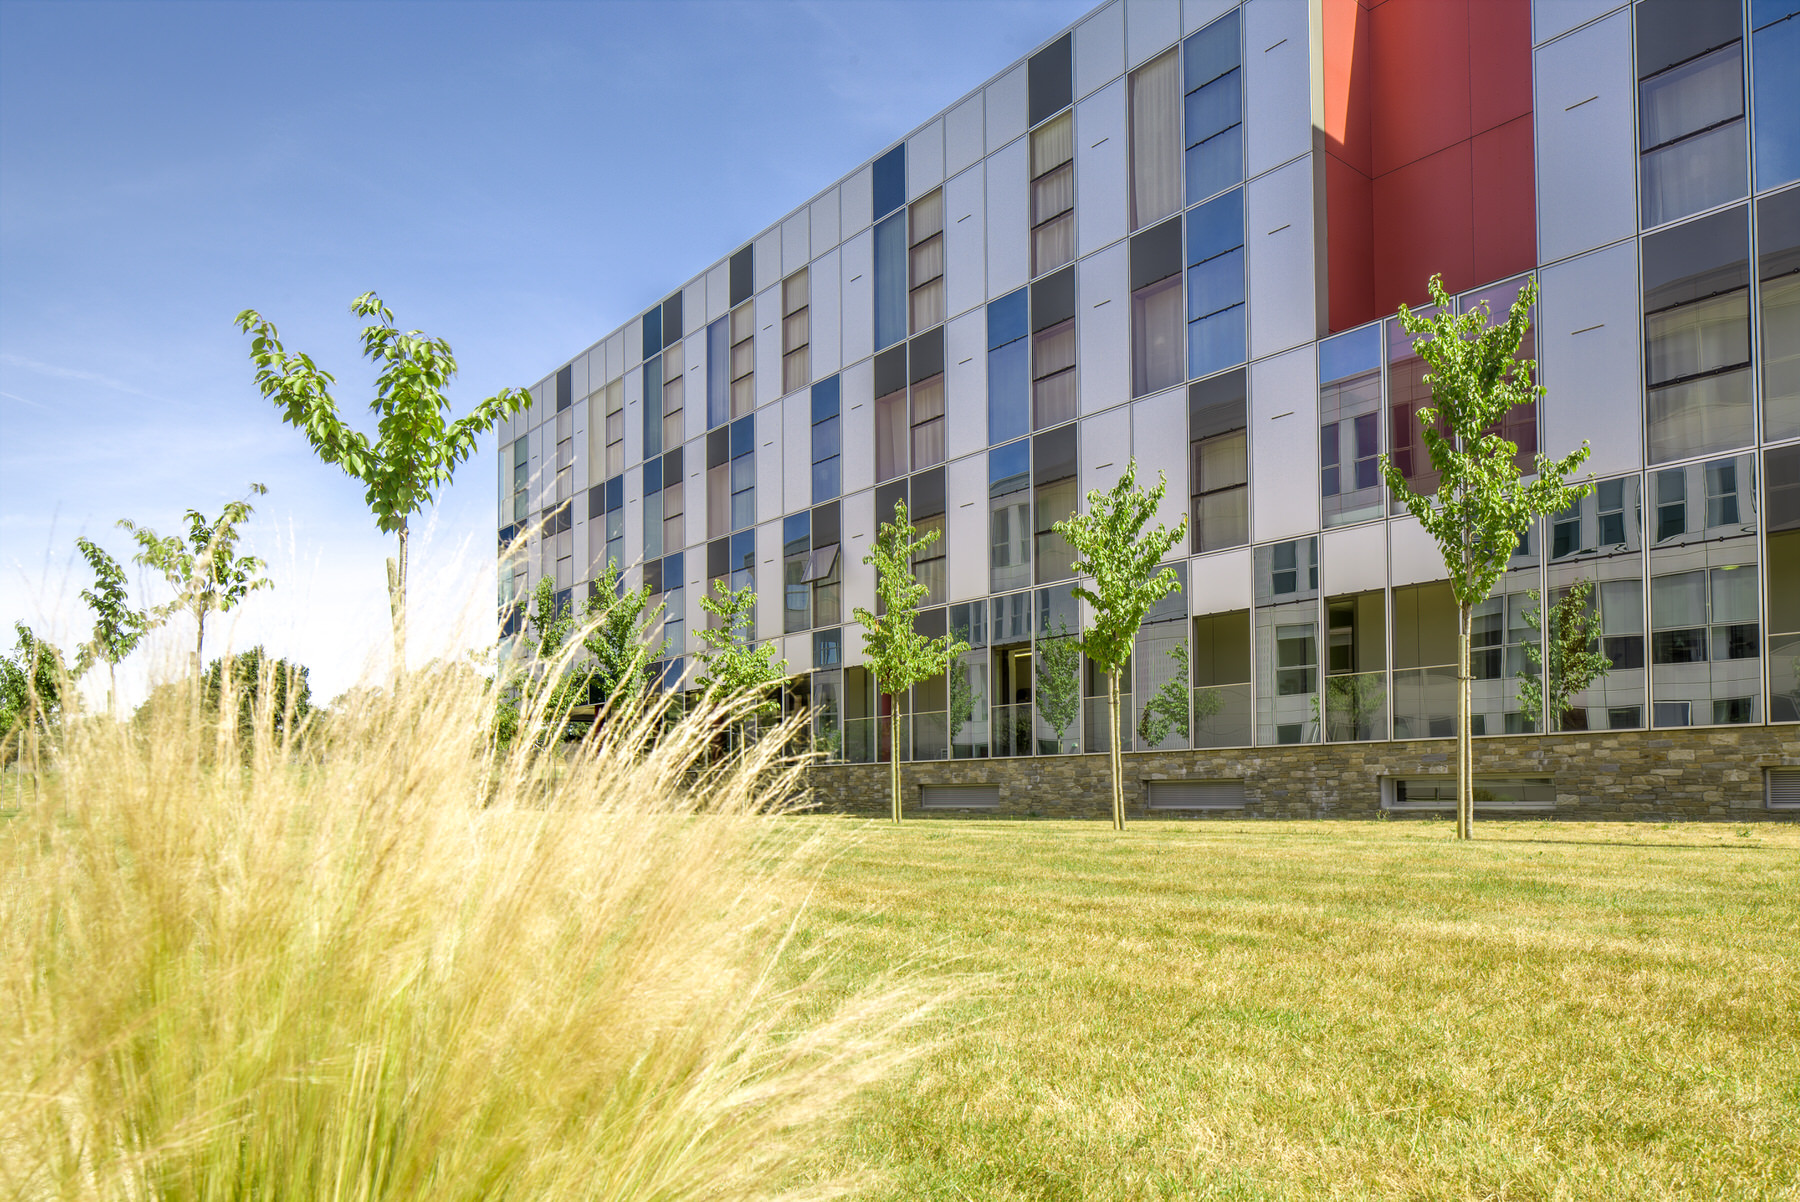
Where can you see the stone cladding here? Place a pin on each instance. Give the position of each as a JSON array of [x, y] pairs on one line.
[[1709, 774]]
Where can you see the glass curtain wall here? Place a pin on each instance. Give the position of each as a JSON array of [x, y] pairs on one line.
[[1010, 631], [1356, 695], [1213, 109], [1215, 284], [1781, 555], [1692, 141], [1705, 645], [1598, 545], [1778, 282], [1697, 337], [1009, 516], [1350, 427], [1220, 655], [1424, 639], [1154, 101], [970, 695], [1219, 467], [1287, 642], [1161, 672]]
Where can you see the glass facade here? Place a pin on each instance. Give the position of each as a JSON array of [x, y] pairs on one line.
[[1035, 334]]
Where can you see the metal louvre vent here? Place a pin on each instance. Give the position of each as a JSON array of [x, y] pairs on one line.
[[1196, 794], [959, 797], [1493, 794], [1783, 789]]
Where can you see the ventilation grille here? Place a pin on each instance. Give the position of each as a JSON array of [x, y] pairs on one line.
[[1493, 794], [1784, 789], [959, 797], [1196, 794]]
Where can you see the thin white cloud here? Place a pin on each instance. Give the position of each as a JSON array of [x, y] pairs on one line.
[[73, 373], [13, 396]]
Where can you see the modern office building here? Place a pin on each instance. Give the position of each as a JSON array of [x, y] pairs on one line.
[[1178, 232]]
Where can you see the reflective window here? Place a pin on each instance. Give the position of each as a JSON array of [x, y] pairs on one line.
[[1692, 139], [1778, 282], [926, 261], [1215, 284], [1009, 516], [1781, 560], [890, 281], [1053, 475], [1775, 64], [1597, 556], [1009, 383], [1154, 109], [1220, 657], [1156, 309], [1705, 645], [1697, 337], [1424, 641], [1214, 109], [1350, 426], [1159, 673], [826, 440], [796, 331], [1219, 468], [1287, 642], [1053, 194]]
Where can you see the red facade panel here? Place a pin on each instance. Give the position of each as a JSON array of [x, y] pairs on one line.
[[1441, 91], [1349, 233], [1505, 194], [1419, 60], [1423, 218], [1499, 63]]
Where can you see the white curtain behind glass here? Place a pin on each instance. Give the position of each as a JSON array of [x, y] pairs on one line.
[[1155, 141]]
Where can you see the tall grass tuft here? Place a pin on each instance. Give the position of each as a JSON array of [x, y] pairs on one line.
[[373, 959]]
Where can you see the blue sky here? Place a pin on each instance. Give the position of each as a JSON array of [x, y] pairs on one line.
[[516, 178]]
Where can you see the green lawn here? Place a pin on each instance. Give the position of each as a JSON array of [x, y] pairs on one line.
[[1308, 1010]]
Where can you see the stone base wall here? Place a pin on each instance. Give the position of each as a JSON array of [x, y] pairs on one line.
[[1709, 774]]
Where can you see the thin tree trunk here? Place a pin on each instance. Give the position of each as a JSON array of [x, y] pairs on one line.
[[199, 641], [1465, 758], [894, 755], [112, 689], [397, 602], [1118, 763]]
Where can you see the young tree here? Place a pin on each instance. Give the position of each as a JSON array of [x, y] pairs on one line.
[[734, 662], [31, 686], [553, 687], [1119, 554], [619, 641], [415, 451], [205, 571], [1483, 503], [1570, 659], [256, 680], [898, 654], [1057, 681], [118, 628]]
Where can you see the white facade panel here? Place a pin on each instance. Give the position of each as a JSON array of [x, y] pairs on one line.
[[1592, 358], [1413, 555], [1586, 153], [1550, 18], [694, 402], [1006, 103], [825, 222], [615, 354], [965, 526], [768, 345], [634, 520], [858, 272], [796, 242], [1100, 169], [1008, 219], [718, 291], [1105, 448], [578, 386], [1284, 444], [579, 474], [856, 199], [857, 517], [634, 344], [1151, 26], [856, 405], [965, 241], [1159, 444], [796, 452], [769, 496], [766, 268], [768, 580], [1198, 14], [965, 380], [1220, 582], [693, 305], [825, 314], [965, 138], [797, 650], [1100, 49], [1277, 83], [1353, 560], [1278, 232], [853, 643], [1103, 328], [925, 160], [634, 415]]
